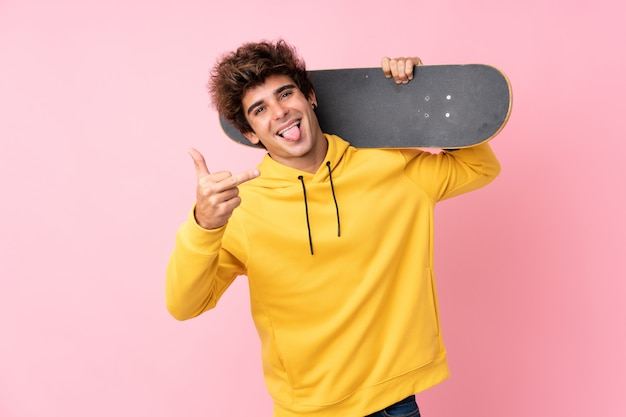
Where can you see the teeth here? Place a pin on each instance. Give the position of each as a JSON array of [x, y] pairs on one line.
[[288, 127]]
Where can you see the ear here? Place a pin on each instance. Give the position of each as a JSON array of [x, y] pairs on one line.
[[313, 98], [252, 137]]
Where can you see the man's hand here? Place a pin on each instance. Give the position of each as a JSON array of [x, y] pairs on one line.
[[401, 69], [217, 194]]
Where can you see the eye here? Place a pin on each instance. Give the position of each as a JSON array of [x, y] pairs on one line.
[[286, 94], [258, 110]]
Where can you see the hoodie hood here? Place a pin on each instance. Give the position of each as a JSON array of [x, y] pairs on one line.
[[277, 175]]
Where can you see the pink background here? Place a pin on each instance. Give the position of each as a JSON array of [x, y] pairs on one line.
[[99, 102]]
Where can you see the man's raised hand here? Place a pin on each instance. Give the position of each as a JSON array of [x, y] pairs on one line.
[[401, 69], [217, 194]]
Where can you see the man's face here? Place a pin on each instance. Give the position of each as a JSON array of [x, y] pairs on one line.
[[283, 120]]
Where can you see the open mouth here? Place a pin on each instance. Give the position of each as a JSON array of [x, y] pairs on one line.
[[291, 132]]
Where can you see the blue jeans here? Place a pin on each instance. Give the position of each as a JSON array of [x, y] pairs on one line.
[[405, 408]]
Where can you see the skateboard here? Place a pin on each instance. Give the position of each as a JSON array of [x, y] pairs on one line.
[[444, 106]]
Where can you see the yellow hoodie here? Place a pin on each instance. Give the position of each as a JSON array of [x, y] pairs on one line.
[[340, 270]]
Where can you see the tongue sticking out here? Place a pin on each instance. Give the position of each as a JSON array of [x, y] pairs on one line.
[[292, 134]]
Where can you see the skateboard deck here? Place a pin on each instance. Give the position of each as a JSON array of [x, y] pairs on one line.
[[444, 106]]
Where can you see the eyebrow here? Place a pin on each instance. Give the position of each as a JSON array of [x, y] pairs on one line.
[[277, 92]]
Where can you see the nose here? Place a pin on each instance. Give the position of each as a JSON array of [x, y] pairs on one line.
[[279, 110]]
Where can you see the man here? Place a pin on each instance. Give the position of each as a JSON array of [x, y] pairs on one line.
[[337, 244]]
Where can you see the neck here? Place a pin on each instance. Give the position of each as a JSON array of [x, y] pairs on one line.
[[312, 160], [312, 164]]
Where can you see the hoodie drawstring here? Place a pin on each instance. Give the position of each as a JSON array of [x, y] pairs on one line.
[[306, 206], [332, 189], [306, 209]]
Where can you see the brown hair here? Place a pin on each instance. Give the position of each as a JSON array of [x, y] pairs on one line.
[[248, 67]]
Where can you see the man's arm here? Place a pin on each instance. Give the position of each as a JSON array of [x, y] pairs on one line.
[[476, 167], [450, 173], [200, 270]]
